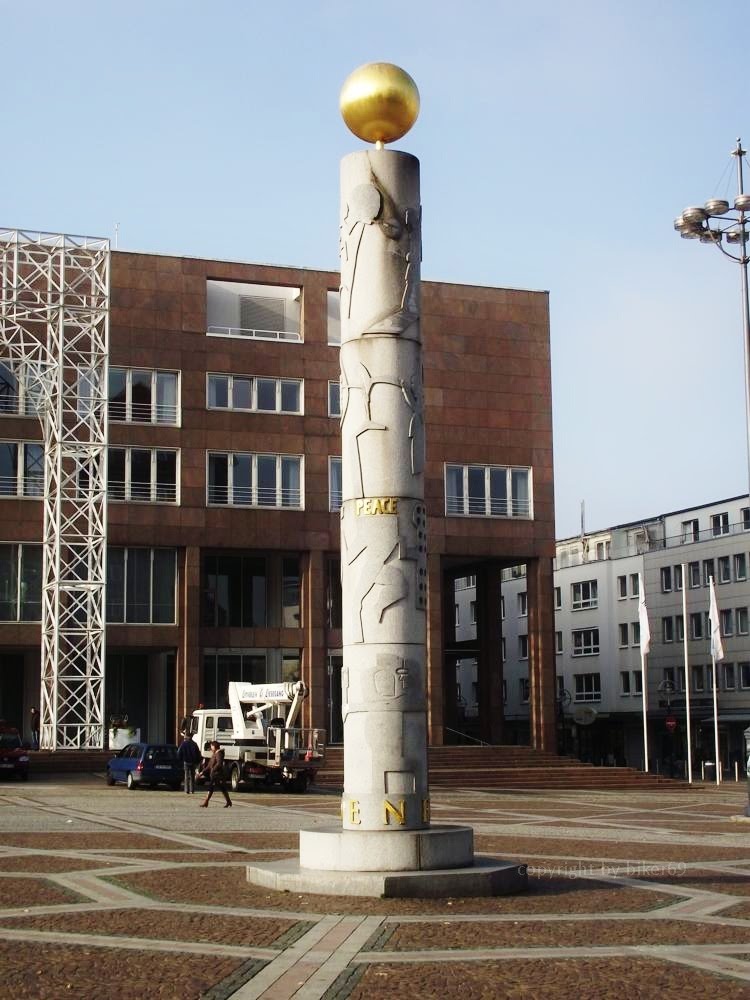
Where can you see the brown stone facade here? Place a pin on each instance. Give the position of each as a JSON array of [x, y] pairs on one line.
[[487, 403]]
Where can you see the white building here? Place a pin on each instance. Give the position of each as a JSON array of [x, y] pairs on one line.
[[598, 639]]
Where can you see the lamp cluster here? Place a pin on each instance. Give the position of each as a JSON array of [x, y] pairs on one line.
[[717, 222]]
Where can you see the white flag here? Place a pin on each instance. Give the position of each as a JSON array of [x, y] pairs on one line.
[[717, 650], [643, 618]]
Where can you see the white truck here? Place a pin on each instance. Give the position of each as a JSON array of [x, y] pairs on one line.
[[257, 732]]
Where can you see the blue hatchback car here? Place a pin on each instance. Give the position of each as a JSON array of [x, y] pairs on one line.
[[140, 764]]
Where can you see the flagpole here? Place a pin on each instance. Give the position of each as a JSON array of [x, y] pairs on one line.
[[644, 690], [645, 644], [716, 725], [687, 670]]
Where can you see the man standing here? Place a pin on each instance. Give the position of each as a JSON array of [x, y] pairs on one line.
[[189, 753], [34, 721]]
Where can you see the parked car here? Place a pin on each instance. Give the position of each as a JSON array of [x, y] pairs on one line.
[[14, 754], [140, 764]]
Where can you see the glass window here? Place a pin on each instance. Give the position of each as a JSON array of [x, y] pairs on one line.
[[744, 669], [116, 473], [724, 569], [558, 644], [523, 604], [727, 621], [118, 393], [218, 391], [667, 629], [33, 470], [696, 625], [720, 524], [290, 482], [694, 574], [166, 476], [266, 390], [678, 577], [335, 487], [290, 396], [729, 677], [622, 587], [334, 399], [138, 586], [163, 586], [333, 592], [587, 687], [740, 617], [31, 583], [637, 682], [558, 598], [8, 583], [140, 396], [242, 393], [498, 492], [708, 571], [666, 579], [635, 586], [679, 623], [476, 490], [689, 531], [218, 479], [242, 479], [624, 682], [623, 630], [267, 480], [290, 591], [140, 474], [523, 647], [115, 585], [454, 489], [254, 590], [8, 469], [586, 642], [520, 492], [166, 397], [585, 595], [740, 566], [333, 312]]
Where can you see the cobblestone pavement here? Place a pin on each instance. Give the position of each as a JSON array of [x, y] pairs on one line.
[[108, 893]]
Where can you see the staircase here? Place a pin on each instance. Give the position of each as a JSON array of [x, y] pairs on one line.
[[510, 767]]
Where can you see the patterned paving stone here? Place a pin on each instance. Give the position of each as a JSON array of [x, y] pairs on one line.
[[33, 892], [551, 979], [590, 847], [49, 863]]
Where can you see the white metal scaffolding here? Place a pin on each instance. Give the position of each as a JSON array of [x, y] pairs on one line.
[[54, 335]]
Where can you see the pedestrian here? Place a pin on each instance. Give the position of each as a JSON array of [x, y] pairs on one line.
[[214, 768], [34, 718], [189, 753]]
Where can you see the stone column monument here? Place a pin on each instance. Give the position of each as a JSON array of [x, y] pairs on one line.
[[386, 844]]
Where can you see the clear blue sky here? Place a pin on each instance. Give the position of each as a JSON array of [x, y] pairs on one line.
[[558, 142]]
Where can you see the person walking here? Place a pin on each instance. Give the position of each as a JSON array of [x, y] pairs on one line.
[[34, 722], [214, 767], [189, 753]]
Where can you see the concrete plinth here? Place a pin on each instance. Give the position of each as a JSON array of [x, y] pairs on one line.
[[484, 877], [437, 847]]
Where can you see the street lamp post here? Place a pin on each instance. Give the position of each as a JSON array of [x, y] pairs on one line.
[[718, 223]]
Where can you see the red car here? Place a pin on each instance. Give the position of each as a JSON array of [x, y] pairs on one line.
[[14, 756]]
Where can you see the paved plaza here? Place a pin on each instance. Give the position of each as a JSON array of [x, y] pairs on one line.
[[111, 894]]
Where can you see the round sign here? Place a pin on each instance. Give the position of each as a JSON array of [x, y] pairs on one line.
[[671, 723]]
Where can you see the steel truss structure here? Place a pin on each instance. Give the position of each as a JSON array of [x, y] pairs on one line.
[[54, 335]]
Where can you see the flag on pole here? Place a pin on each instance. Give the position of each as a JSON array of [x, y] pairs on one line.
[[717, 649], [643, 618]]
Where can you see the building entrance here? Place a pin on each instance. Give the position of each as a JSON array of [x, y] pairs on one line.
[[11, 690]]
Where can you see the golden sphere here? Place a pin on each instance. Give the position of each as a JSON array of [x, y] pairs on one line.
[[379, 102]]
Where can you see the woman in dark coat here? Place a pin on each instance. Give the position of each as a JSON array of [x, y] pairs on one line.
[[214, 768]]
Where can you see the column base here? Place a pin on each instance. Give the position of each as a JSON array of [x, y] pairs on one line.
[[436, 863]]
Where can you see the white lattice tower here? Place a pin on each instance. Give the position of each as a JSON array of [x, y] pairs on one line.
[[54, 328]]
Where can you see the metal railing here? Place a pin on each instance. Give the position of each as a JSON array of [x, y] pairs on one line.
[[292, 336]]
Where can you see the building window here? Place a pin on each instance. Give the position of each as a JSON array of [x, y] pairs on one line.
[[694, 575], [502, 607], [457, 614], [744, 673], [473, 612], [335, 488], [254, 394], [624, 682], [333, 316], [334, 399], [523, 604], [727, 622], [260, 312], [146, 475], [679, 623], [689, 531], [253, 666], [698, 677], [710, 676], [708, 571], [487, 491], [745, 515], [740, 567], [667, 629], [678, 577], [244, 479], [729, 677], [622, 587], [637, 683], [558, 643], [724, 569], [740, 619], [333, 592], [587, 687], [523, 685], [235, 590], [558, 598], [666, 579], [635, 629], [623, 630], [141, 586], [20, 583], [602, 550], [21, 469], [502, 649], [635, 586], [586, 642], [696, 625], [720, 524], [143, 396], [15, 398], [584, 595], [523, 647]]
